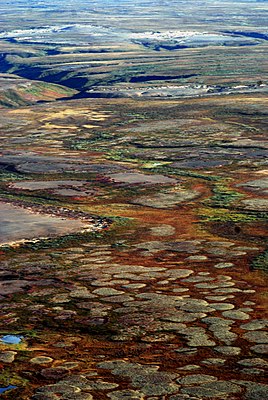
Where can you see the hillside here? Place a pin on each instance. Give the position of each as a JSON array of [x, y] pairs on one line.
[[16, 91]]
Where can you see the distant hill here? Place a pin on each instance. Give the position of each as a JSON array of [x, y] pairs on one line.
[[16, 91]]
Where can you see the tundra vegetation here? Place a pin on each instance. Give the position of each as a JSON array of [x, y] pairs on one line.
[[133, 200]]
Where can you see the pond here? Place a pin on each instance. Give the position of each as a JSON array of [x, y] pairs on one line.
[[18, 224], [11, 339]]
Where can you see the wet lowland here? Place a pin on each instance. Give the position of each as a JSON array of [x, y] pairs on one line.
[[133, 201]]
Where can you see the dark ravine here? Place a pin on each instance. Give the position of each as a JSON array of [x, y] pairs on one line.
[[255, 35]]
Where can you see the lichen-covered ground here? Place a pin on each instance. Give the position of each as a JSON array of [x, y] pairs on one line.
[[164, 298]]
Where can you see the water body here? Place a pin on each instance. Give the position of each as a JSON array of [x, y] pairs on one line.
[[132, 178], [18, 224], [11, 339], [5, 389], [43, 185]]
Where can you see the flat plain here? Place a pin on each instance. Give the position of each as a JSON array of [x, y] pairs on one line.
[[133, 200]]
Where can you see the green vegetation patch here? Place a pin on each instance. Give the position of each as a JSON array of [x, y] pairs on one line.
[[6, 176], [9, 377], [223, 215], [98, 138], [223, 196], [261, 261], [165, 170]]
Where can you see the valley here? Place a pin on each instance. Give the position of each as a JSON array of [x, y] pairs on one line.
[[133, 200]]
